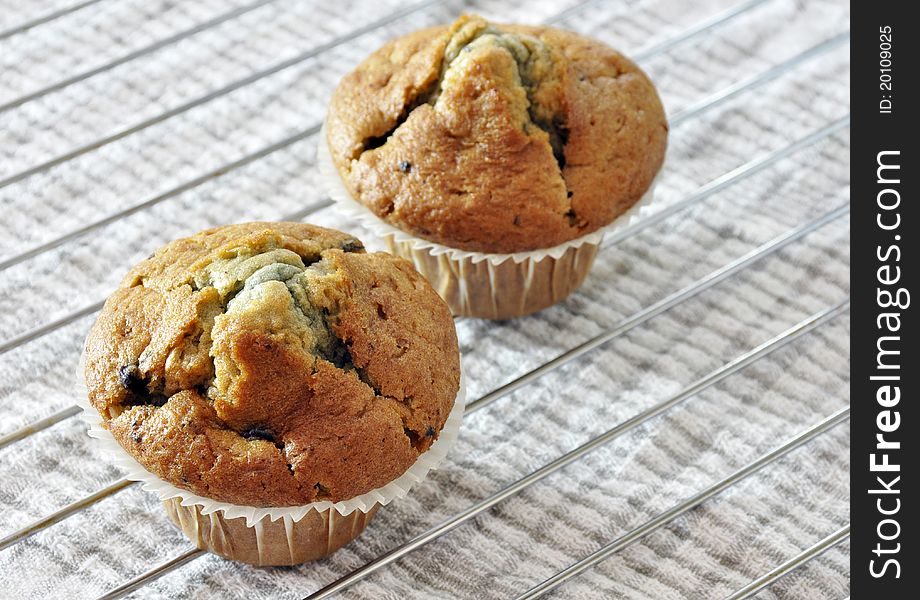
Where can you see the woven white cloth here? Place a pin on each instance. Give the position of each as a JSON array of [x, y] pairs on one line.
[[708, 553]]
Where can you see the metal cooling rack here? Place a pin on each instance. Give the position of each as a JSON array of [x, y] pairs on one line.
[[735, 92]]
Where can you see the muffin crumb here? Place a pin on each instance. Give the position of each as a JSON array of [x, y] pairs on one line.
[[503, 120], [252, 363]]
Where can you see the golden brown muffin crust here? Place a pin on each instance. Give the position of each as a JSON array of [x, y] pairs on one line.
[[497, 138], [273, 364]]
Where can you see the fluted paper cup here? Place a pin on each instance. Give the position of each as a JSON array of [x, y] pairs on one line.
[[267, 536], [480, 284]]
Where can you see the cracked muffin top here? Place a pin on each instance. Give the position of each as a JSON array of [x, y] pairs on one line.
[[497, 138], [273, 364]]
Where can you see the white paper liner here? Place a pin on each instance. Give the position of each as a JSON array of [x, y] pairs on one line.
[[397, 488], [351, 207]]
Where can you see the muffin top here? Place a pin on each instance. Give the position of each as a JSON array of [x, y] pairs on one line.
[[273, 364], [497, 138]]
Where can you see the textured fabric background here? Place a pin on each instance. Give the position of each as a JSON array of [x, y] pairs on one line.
[[169, 172]]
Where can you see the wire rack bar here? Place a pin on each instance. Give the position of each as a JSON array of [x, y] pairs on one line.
[[252, 78], [63, 513], [36, 426], [661, 306], [568, 12], [793, 563], [666, 517], [168, 41], [151, 575], [41, 248], [43, 330], [398, 552], [179, 189], [627, 325], [306, 212], [712, 188], [47, 328], [28, 336], [765, 77], [734, 176], [46, 18], [716, 376], [702, 27], [240, 83], [706, 191], [222, 170]]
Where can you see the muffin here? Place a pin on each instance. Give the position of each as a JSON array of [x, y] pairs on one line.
[[273, 365], [509, 145]]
